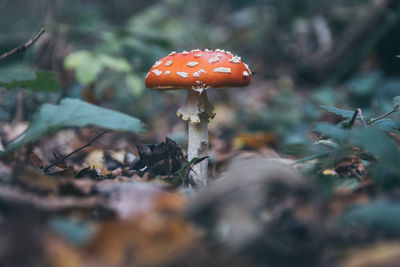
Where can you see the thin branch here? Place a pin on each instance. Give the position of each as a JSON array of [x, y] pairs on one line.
[[357, 175], [316, 156], [24, 46], [353, 119], [75, 151], [384, 115], [361, 117]]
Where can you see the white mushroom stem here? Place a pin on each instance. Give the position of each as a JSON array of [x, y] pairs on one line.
[[198, 148], [197, 111]]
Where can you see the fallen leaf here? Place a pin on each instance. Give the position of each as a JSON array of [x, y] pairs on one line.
[[378, 255], [158, 236]]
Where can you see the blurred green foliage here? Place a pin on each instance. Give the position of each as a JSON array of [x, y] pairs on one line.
[[75, 113], [36, 81], [110, 46], [102, 50], [381, 217]]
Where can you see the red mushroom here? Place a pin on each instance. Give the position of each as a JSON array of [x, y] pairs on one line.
[[196, 71]]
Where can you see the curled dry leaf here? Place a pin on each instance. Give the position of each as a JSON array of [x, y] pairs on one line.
[[155, 236], [378, 255]]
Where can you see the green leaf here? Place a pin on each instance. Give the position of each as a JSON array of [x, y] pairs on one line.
[[378, 216], [45, 82], [87, 71], [71, 113], [328, 143], [338, 111], [350, 183], [325, 96], [385, 171], [330, 130], [135, 84], [364, 84], [73, 60], [39, 81], [114, 63], [75, 231], [396, 102], [376, 142], [179, 175], [10, 75], [388, 125], [86, 66]]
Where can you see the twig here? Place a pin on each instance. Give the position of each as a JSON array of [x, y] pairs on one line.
[[75, 151], [309, 158], [357, 175], [384, 115], [178, 175], [353, 119], [23, 46], [361, 117]]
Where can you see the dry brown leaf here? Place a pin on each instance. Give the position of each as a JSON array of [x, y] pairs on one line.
[[59, 253], [36, 161], [255, 140], [156, 237], [351, 166], [379, 255], [35, 180]]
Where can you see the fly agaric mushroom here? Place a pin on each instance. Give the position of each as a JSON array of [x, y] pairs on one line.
[[196, 71]]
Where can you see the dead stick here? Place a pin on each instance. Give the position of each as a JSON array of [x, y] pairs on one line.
[[23, 46], [396, 108], [361, 117], [75, 151], [357, 175], [353, 119]]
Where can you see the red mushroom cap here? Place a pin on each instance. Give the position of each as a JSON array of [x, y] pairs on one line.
[[198, 69]]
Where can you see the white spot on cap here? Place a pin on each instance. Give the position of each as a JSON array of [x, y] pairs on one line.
[[198, 55], [247, 67], [192, 63], [198, 73], [214, 59], [168, 63], [235, 59], [157, 72], [198, 82], [185, 52], [167, 72], [195, 50], [223, 70], [172, 53], [158, 63], [246, 74], [147, 75], [182, 74], [207, 50]]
